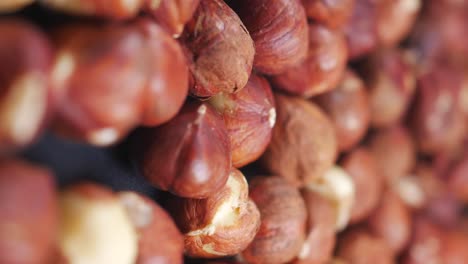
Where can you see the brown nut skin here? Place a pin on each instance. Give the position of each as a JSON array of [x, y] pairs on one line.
[[368, 181], [25, 94], [7, 6], [395, 19], [361, 29], [111, 9], [189, 156], [221, 225], [321, 230], [323, 67], [359, 246], [220, 50], [283, 221], [391, 79], [458, 180], [124, 68], [159, 239], [28, 213], [348, 108], [394, 151], [303, 145], [172, 14], [250, 116], [391, 221], [279, 30], [333, 13]]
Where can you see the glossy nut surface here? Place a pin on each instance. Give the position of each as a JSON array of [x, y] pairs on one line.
[[331, 13]]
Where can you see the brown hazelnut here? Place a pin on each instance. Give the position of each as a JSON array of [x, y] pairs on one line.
[[189, 156], [323, 67], [172, 14], [250, 116], [411, 191], [123, 68], [220, 225], [94, 226], [458, 180], [303, 145], [7, 6], [368, 182], [25, 100], [283, 221], [159, 240], [28, 213], [331, 13], [394, 151], [278, 29], [348, 108], [391, 79], [220, 50], [114, 9], [360, 247], [391, 221]]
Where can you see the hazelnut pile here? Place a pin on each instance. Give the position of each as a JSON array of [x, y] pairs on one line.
[[233, 131]]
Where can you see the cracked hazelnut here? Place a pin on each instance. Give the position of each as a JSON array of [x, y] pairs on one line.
[[331, 13], [283, 221], [221, 225], [28, 213], [159, 240], [323, 67], [348, 108], [219, 48], [114, 9], [303, 145], [189, 156], [278, 29], [250, 116]]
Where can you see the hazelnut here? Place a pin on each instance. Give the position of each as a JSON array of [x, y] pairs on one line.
[[189, 156], [331, 13], [159, 240], [338, 187], [283, 221], [28, 213], [394, 151], [458, 180], [359, 246], [25, 101], [411, 191], [303, 145], [392, 82], [123, 68], [250, 116], [172, 14], [278, 29], [94, 226], [7, 6], [426, 245], [114, 9], [368, 182], [348, 108], [220, 225], [220, 50], [322, 68], [391, 221]]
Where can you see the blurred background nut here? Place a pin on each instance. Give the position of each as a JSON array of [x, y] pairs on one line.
[[348, 108], [331, 13], [28, 213], [458, 179], [113, 9], [219, 48], [94, 226], [303, 145], [221, 225], [13, 5], [323, 67], [159, 240], [250, 116], [283, 221], [368, 182], [189, 156], [278, 29], [172, 14], [25, 94]]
